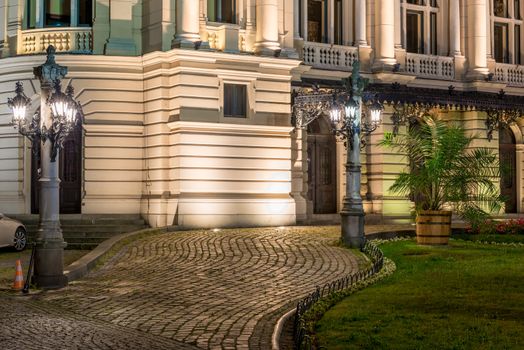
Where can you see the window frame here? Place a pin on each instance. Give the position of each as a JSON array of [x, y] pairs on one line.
[[430, 43], [215, 17], [40, 15], [235, 91], [513, 21], [250, 99]]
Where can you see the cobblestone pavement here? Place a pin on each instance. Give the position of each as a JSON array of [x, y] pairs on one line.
[[28, 325], [206, 289]]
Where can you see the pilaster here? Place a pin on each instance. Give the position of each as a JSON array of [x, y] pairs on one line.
[[121, 41]]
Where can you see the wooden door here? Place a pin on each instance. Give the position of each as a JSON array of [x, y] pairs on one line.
[[322, 177], [70, 171], [507, 158]]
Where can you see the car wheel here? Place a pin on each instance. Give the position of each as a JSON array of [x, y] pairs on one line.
[[20, 240]]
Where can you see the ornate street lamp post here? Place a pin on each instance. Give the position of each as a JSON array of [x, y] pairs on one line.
[[345, 111], [50, 125], [346, 116]]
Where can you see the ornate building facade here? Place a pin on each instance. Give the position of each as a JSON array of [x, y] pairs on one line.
[[188, 103]]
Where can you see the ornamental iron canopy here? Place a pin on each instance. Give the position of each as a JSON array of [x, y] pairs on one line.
[[411, 103], [343, 105]]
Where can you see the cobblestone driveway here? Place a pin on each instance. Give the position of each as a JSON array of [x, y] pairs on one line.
[[217, 290]]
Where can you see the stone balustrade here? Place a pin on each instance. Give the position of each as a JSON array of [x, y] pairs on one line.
[[429, 66], [64, 39], [327, 56], [226, 37], [511, 74]]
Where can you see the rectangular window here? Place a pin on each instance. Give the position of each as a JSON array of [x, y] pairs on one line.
[[223, 11], [57, 13], [500, 42], [518, 53], [517, 10], [416, 2], [433, 3], [433, 33], [316, 21], [235, 100], [414, 32], [85, 13]]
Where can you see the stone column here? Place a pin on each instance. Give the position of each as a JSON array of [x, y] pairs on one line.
[[384, 35], [304, 19], [267, 42], [296, 19], [40, 14], [398, 25], [476, 37], [3, 27], [489, 29], [331, 22], [454, 28], [187, 23], [360, 23], [74, 13]]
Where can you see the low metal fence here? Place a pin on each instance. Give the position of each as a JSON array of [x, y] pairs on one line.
[[302, 339]]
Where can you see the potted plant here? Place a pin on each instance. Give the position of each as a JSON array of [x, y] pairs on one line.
[[445, 172]]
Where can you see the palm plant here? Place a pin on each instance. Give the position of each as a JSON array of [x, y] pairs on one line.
[[447, 170]]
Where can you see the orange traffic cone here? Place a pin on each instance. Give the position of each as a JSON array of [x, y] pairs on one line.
[[19, 276]]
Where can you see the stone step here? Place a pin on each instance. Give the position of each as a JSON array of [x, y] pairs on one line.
[[81, 246], [98, 228], [86, 240], [82, 231], [84, 219]]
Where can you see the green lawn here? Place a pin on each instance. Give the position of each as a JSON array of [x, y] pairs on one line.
[[8, 259], [465, 296]]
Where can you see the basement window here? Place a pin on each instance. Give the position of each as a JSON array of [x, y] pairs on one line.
[[235, 100]]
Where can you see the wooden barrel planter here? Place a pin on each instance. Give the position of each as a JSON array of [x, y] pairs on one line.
[[433, 227]]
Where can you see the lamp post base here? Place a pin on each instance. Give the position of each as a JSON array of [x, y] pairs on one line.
[[49, 262], [352, 224]]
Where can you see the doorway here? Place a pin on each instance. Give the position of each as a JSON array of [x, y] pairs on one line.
[[322, 176], [70, 171], [508, 170]]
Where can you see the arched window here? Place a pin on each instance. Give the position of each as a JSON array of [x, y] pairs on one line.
[[506, 26], [421, 29], [59, 13]]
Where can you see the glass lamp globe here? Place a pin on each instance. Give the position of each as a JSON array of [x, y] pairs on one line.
[[335, 114], [351, 108], [376, 112], [19, 104], [63, 106]]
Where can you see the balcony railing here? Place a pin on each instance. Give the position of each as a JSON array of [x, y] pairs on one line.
[[227, 37], [78, 40], [511, 74], [428, 66], [327, 56]]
